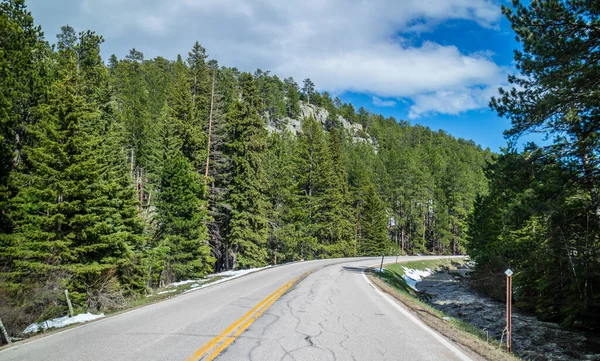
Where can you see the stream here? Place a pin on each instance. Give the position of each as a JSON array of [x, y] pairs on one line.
[[533, 340]]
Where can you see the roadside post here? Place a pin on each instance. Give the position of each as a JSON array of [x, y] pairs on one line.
[[6, 337], [381, 268], [509, 274], [69, 303]]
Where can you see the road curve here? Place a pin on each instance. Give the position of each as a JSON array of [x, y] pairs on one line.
[[333, 313]]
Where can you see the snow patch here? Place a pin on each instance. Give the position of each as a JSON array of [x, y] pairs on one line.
[[227, 275], [414, 276], [237, 273], [379, 269], [167, 291], [181, 283], [61, 322]]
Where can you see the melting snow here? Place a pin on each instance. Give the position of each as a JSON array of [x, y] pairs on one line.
[[167, 291], [181, 283], [237, 273], [227, 275], [61, 322], [414, 276]]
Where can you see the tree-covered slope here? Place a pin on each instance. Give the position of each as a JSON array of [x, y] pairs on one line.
[[104, 190]]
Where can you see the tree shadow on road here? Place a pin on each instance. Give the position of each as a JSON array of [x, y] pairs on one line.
[[356, 269]]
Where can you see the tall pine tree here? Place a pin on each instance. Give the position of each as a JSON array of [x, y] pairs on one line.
[[248, 229]]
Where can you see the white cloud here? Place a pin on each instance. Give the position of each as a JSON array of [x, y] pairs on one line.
[[342, 45], [378, 102], [452, 102]]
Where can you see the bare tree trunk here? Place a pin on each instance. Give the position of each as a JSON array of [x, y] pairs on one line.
[[132, 163], [210, 118], [402, 232], [588, 179], [357, 233], [402, 240]]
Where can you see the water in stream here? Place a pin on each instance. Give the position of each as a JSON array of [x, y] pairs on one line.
[[532, 339]]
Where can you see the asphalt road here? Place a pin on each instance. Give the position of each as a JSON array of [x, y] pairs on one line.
[[331, 314]]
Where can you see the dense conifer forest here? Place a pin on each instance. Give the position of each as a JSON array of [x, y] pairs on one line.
[[122, 175], [118, 176]]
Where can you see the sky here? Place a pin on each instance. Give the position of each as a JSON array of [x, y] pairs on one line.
[[431, 62]]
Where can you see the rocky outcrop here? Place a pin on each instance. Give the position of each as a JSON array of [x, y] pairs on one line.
[[309, 110], [294, 126]]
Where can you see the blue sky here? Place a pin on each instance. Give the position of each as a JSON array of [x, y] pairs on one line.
[[432, 62]]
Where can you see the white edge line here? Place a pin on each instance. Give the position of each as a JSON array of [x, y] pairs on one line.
[[18, 345], [411, 317]]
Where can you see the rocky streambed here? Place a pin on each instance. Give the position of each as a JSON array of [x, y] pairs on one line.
[[533, 340]]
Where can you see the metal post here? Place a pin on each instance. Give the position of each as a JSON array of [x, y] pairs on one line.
[[8, 340], [381, 268], [509, 274], [69, 303]]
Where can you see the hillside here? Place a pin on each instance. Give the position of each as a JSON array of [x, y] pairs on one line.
[[354, 131], [104, 192]]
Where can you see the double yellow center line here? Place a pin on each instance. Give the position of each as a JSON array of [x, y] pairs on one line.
[[225, 338]]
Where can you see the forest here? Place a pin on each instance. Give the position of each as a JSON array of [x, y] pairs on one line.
[[541, 216], [118, 176], [123, 175]]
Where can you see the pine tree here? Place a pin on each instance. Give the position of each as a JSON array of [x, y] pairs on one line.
[[292, 98], [24, 80], [65, 221], [248, 227], [185, 114], [334, 219], [200, 80], [182, 214], [308, 90], [283, 237], [133, 98], [313, 168], [373, 225], [556, 93]]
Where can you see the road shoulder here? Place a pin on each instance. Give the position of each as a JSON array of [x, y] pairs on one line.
[[470, 344]]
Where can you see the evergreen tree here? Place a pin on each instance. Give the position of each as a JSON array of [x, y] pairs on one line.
[[334, 216], [373, 225], [558, 83], [200, 80], [185, 114], [24, 79], [292, 98], [248, 227], [181, 212], [65, 221], [133, 99], [313, 168], [556, 93], [283, 235], [308, 89]]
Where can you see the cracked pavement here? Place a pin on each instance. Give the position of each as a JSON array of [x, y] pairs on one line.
[[332, 314]]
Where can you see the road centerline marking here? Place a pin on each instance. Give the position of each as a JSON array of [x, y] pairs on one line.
[[231, 333]]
